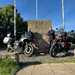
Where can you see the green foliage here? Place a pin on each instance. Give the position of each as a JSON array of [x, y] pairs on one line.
[[8, 66], [6, 15], [7, 19]]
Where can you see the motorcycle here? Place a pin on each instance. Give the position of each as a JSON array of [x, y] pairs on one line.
[[27, 46], [23, 45], [58, 45]]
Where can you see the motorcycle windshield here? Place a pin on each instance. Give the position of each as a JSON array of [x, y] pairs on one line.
[[27, 35]]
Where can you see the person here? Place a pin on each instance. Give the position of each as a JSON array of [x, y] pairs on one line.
[[51, 34]]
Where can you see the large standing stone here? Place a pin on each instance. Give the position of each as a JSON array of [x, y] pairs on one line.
[[40, 28]]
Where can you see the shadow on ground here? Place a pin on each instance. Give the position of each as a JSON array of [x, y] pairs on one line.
[[59, 55], [26, 64], [70, 53]]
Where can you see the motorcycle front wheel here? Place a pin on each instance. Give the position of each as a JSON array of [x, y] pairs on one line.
[[28, 50], [53, 51]]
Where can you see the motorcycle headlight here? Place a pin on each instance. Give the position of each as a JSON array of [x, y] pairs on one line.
[[6, 40]]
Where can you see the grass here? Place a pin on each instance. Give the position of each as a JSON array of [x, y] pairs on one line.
[[8, 66]]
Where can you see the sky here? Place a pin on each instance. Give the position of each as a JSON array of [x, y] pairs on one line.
[[47, 10]]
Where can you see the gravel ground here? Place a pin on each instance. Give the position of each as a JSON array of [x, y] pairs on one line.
[[48, 59]]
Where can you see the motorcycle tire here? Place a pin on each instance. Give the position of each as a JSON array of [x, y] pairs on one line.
[[28, 50]]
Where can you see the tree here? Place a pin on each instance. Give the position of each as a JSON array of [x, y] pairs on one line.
[[7, 19]]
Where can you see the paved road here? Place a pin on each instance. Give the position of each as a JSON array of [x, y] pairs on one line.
[[49, 69]]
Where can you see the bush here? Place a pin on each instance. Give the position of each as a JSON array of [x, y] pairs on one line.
[[8, 66]]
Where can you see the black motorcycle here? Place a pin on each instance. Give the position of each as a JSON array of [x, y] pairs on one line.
[[59, 45], [23, 45], [26, 41]]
